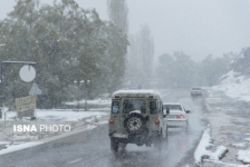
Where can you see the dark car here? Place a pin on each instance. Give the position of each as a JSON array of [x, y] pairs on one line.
[[196, 92]]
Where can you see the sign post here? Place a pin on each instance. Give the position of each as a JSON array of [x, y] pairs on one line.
[[4, 115], [25, 75]]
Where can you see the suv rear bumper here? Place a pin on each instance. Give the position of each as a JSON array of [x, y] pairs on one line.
[[134, 138], [118, 135]]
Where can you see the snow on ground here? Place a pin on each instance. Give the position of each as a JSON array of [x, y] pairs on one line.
[[204, 151], [12, 148], [227, 129], [100, 102], [67, 115], [212, 163], [235, 86], [205, 156], [77, 119], [244, 156], [239, 145], [60, 115]]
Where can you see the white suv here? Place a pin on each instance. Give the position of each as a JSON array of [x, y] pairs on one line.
[[136, 117]]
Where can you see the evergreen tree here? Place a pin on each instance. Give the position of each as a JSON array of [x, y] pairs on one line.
[[68, 43]]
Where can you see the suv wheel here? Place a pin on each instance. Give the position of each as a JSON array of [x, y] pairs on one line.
[[134, 123]]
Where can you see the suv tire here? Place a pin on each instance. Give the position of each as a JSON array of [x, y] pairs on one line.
[[134, 123]]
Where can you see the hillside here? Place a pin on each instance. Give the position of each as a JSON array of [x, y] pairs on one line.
[[235, 85]]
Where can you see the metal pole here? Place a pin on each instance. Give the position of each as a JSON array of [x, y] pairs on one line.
[[78, 96], [86, 97], [87, 84], [1, 77], [5, 119]]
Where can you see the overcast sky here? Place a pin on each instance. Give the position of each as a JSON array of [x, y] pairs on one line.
[[196, 27]]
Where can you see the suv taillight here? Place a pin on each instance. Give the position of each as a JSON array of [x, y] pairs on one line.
[[111, 121]]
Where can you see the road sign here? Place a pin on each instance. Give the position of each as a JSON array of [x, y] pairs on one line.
[[27, 73], [35, 90], [25, 103]]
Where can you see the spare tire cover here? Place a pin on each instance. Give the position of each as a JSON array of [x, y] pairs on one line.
[[134, 123]]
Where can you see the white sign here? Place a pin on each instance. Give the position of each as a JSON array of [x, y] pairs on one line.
[[27, 73], [35, 90]]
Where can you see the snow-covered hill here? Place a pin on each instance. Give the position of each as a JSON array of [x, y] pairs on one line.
[[235, 85]]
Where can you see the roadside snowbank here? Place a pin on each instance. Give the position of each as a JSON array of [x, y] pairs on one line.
[[205, 157], [11, 141], [229, 127], [235, 85], [13, 148], [59, 115], [213, 163], [244, 156], [204, 151], [95, 102]]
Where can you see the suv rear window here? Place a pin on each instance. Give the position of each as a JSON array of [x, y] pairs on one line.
[[152, 107], [134, 104], [115, 107]]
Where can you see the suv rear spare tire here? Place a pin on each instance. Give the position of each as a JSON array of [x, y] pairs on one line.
[[134, 123]]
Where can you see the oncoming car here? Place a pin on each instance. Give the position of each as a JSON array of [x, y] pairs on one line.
[[177, 117], [136, 117]]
